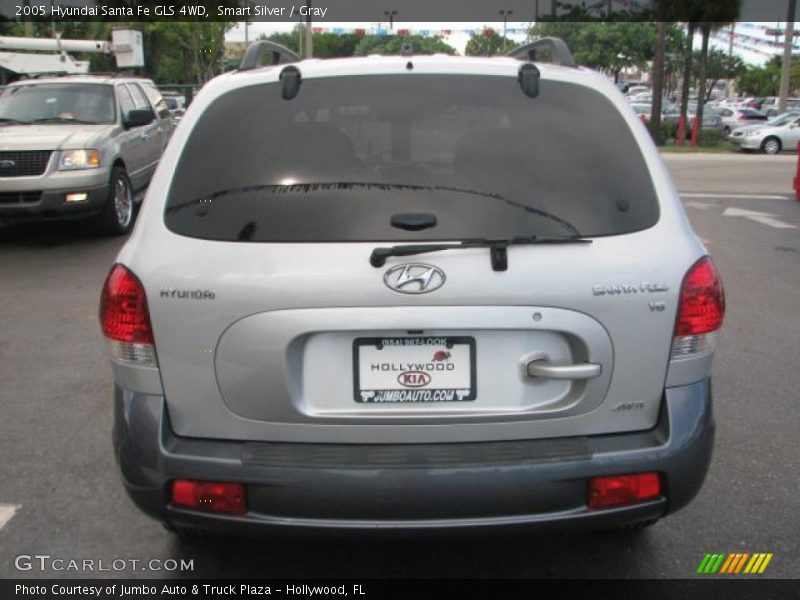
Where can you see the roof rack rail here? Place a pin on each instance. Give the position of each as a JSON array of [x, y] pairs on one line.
[[559, 51], [44, 75], [256, 51]]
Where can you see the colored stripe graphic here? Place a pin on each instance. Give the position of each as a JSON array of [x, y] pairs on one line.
[[740, 564], [727, 565], [733, 564], [755, 562], [703, 563], [714, 563], [764, 564], [730, 564], [712, 559]]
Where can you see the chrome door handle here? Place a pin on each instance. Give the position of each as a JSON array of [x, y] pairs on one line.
[[546, 370]]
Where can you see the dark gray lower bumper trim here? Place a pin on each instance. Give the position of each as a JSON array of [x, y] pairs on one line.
[[428, 486], [414, 456]]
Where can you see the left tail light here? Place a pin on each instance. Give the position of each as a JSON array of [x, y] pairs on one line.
[[125, 319]]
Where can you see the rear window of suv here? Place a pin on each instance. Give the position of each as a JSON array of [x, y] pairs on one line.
[[337, 161]]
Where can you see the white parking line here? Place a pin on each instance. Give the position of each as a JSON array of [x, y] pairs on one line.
[[758, 217], [700, 205], [734, 196], [7, 512]]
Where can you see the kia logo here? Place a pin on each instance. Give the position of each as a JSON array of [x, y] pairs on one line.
[[414, 278], [7, 164], [413, 379]]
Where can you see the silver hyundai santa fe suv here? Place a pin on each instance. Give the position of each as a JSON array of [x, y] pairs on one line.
[[412, 292]]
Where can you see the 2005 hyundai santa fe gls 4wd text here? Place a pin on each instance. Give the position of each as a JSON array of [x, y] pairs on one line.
[[412, 292]]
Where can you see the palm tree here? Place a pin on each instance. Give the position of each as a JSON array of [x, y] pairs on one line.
[[687, 70], [658, 71], [717, 14], [692, 10]]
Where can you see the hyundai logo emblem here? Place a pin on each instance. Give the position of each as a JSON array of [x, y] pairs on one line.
[[7, 164], [414, 278]]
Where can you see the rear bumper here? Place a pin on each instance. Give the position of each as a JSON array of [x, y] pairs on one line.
[[521, 483]]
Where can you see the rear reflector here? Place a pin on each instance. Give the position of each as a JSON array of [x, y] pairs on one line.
[[209, 496], [622, 490], [125, 319], [700, 311]]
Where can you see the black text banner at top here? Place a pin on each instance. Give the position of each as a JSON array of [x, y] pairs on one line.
[[478, 11]]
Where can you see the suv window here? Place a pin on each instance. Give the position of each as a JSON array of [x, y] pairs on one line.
[[158, 102], [139, 99], [125, 101], [58, 102], [337, 161]]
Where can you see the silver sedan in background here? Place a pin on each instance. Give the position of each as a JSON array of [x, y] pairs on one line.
[[782, 132]]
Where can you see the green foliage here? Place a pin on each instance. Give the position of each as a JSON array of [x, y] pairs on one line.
[[197, 48], [766, 80], [712, 138], [664, 133], [331, 45], [390, 44], [289, 39], [718, 66], [326, 45], [608, 46], [488, 43]]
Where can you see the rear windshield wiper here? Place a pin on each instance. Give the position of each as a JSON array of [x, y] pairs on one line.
[[497, 248]]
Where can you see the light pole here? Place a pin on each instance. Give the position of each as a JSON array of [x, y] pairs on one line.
[[391, 14], [786, 65], [505, 14], [309, 52], [246, 25]]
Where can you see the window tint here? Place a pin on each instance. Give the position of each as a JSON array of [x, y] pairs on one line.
[[64, 102], [125, 101], [139, 99], [158, 102], [337, 161]]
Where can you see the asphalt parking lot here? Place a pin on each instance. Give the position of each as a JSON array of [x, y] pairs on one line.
[[60, 493]]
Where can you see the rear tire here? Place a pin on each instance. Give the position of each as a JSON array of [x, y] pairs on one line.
[[120, 211], [771, 145]]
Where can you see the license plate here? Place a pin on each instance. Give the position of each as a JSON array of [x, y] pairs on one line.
[[414, 369]]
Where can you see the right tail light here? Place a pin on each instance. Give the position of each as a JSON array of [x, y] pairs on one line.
[[700, 310]]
